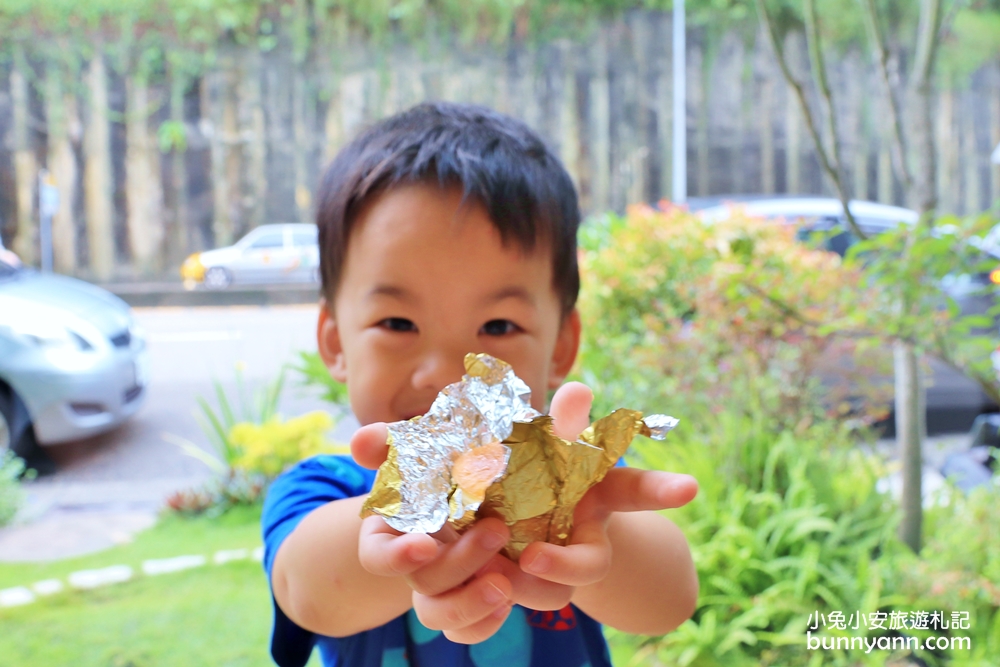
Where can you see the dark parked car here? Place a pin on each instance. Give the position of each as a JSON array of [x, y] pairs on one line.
[[953, 400]]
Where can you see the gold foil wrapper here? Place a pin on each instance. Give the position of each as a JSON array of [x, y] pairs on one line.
[[544, 478]]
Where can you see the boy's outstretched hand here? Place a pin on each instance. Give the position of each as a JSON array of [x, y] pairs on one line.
[[464, 587]]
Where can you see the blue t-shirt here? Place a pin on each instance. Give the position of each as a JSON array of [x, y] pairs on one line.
[[528, 638]]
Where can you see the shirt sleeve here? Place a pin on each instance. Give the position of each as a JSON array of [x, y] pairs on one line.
[[304, 488]]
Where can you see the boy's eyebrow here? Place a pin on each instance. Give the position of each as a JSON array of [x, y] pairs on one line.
[[392, 291], [511, 292]]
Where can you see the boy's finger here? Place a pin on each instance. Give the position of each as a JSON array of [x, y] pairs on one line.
[[481, 631], [465, 606], [387, 553], [368, 445], [586, 561], [460, 560], [527, 589], [570, 410], [635, 490]]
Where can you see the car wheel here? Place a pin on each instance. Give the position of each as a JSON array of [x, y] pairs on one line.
[[17, 435], [218, 278]]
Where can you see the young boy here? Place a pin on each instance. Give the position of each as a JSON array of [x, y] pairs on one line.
[[444, 230]]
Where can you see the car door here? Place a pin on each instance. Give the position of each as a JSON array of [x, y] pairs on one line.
[[261, 260], [305, 246]]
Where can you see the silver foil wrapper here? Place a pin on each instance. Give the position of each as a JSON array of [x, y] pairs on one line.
[[415, 490], [478, 410]]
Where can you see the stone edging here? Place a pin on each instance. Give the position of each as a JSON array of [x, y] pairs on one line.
[[116, 574]]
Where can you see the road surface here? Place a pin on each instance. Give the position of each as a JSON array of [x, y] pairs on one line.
[[107, 487]]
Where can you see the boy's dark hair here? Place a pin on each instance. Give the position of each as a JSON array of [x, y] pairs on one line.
[[496, 159]]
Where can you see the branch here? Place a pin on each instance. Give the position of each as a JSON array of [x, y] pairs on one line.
[[831, 170], [881, 57], [927, 43]]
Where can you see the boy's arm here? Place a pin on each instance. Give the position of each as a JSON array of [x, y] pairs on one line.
[[319, 582]]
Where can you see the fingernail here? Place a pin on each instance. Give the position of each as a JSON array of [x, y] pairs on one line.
[[493, 595], [417, 556], [502, 611], [539, 564], [492, 541]]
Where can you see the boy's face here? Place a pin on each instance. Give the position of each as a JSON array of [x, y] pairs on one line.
[[426, 280]]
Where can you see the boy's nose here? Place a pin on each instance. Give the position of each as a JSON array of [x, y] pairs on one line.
[[438, 369]]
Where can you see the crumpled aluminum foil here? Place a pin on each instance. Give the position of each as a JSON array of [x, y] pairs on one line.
[[543, 476]]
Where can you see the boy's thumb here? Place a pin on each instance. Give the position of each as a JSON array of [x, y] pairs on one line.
[[368, 445]]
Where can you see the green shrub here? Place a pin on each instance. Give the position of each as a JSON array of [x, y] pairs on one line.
[[11, 495], [733, 317], [958, 570], [783, 526]]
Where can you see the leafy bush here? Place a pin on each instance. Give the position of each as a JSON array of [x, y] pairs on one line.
[[257, 408], [271, 447], [11, 495], [958, 570], [798, 530], [254, 443], [729, 327], [314, 373], [733, 317]]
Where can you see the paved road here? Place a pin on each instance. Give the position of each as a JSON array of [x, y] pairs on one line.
[[124, 475]]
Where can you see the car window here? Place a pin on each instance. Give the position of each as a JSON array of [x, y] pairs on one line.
[[267, 241], [304, 238]]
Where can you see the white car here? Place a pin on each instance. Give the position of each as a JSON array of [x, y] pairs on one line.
[[281, 253]]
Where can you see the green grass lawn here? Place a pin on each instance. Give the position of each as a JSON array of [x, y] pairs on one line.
[[213, 615], [217, 615], [172, 536]]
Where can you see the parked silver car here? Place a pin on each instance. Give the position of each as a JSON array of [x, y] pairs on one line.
[[72, 362], [268, 254]]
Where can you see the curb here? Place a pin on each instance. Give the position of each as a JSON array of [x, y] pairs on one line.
[[84, 580], [152, 295]]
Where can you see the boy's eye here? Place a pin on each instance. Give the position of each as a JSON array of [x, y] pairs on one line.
[[499, 328], [399, 324]]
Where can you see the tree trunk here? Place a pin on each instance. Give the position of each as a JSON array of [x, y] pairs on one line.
[[910, 427], [767, 170], [302, 134], [701, 62], [664, 110], [221, 108], [885, 184], [179, 242], [995, 139], [793, 146], [972, 156], [64, 130], [97, 177], [948, 141], [25, 167], [569, 131], [143, 188], [255, 131], [793, 121], [600, 126], [910, 394]]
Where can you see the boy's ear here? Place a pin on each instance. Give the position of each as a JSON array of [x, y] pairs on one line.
[[328, 342], [567, 346]]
